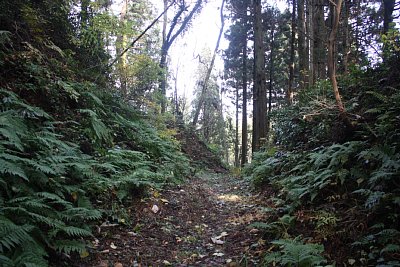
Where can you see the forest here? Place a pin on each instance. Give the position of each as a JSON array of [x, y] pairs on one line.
[[283, 150]]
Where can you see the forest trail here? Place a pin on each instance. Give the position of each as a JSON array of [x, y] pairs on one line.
[[204, 222]]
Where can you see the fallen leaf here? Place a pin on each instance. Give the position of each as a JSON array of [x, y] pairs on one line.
[[84, 254], [254, 231], [113, 246], [351, 261], [156, 194], [118, 264], [218, 254], [223, 234], [105, 251], [132, 234], [167, 263], [217, 241], [164, 200], [155, 208]]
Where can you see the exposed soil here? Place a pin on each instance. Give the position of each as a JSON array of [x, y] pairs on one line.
[[197, 150], [205, 222]]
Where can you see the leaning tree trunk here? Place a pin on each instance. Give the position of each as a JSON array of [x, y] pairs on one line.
[[208, 74], [332, 51]]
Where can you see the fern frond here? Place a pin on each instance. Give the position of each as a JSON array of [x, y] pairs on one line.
[[5, 261], [75, 231], [390, 248], [7, 167], [82, 214], [12, 235], [69, 246], [31, 255]]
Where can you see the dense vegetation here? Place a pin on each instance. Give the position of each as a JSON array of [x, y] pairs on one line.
[[336, 178], [86, 125], [72, 150]]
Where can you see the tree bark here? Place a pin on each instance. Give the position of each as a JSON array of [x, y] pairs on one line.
[[259, 88], [121, 42], [319, 40], [236, 127], [346, 38], [271, 76], [388, 8], [244, 105], [331, 53], [310, 27], [204, 89], [289, 93], [303, 58]]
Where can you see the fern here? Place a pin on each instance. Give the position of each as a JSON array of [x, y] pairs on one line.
[[7, 167], [68, 246], [390, 248], [295, 252], [97, 128], [12, 235]]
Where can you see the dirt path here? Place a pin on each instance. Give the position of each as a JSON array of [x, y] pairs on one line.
[[204, 222]]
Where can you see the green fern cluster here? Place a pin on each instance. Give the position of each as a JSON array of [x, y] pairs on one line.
[[42, 205], [294, 252], [336, 178]]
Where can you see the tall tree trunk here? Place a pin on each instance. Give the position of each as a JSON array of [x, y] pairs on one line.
[[204, 89], [271, 76], [388, 8], [319, 40], [259, 89], [289, 93], [310, 31], [357, 32], [121, 43], [346, 38], [236, 127], [332, 51], [244, 106], [84, 14], [303, 57], [163, 60]]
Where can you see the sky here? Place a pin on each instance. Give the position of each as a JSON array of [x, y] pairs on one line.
[[202, 34]]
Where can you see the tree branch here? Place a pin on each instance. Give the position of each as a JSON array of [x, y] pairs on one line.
[[140, 36]]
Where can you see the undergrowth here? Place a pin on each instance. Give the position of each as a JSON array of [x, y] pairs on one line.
[[65, 142], [336, 180]]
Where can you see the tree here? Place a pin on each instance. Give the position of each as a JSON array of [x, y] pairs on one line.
[[178, 25], [211, 123], [259, 87], [289, 93], [210, 67], [236, 65], [337, 5]]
